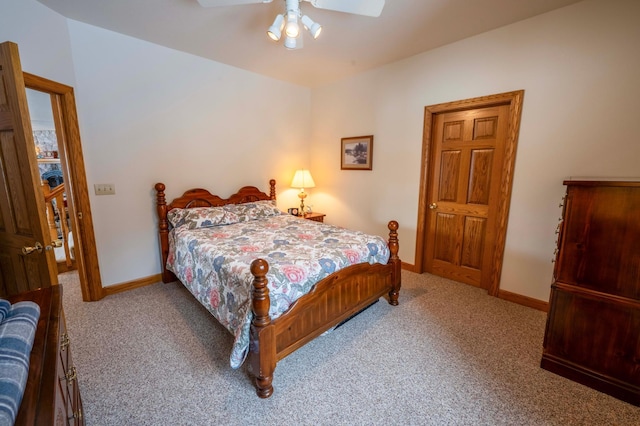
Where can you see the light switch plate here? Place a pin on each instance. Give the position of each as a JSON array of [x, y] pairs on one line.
[[105, 188]]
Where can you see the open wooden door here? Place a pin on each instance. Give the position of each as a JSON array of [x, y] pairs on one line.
[[26, 257]]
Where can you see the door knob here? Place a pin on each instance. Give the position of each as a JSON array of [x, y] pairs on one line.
[[28, 250], [433, 206]]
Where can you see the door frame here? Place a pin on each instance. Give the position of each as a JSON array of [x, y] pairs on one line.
[[72, 161], [514, 100]]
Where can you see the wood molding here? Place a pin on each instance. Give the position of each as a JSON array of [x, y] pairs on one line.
[[75, 177], [62, 266], [530, 302], [409, 267], [130, 285], [515, 112]]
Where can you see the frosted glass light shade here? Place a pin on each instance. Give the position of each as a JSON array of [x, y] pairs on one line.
[[290, 43]]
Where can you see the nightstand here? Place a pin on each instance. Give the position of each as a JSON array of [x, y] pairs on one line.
[[316, 217]]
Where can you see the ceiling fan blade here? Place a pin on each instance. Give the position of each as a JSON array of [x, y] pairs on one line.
[[216, 3], [358, 7]]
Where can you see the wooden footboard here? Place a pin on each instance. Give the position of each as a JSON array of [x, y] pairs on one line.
[[332, 300]]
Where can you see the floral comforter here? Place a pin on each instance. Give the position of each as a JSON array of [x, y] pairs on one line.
[[213, 263]]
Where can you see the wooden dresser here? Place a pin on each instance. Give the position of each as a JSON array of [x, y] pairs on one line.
[[52, 395], [593, 326]]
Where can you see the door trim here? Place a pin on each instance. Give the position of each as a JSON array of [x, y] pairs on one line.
[[514, 100], [66, 117]]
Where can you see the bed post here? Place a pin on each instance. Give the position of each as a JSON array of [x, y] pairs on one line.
[[163, 231], [395, 260], [272, 189], [262, 346]]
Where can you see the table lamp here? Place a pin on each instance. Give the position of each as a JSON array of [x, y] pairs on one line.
[[302, 179]]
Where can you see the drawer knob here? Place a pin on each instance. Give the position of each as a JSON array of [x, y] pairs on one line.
[[64, 341], [77, 415], [71, 375]]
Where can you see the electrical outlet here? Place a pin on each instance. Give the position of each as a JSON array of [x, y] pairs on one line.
[[105, 188]]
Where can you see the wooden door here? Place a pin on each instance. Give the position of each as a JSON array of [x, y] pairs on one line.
[[466, 164], [26, 259]]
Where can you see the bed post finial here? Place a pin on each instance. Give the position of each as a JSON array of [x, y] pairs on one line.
[[163, 229], [260, 293], [272, 189], [262, 347], [394, 246]]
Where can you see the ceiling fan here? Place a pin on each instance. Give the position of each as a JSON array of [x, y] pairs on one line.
[[290, 20]]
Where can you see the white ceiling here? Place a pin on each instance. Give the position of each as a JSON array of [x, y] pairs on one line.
[[349, 44]]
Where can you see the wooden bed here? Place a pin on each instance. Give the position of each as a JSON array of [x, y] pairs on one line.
[[332, 300]]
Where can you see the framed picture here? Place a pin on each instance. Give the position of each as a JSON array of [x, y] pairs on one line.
[[356, 153], [293, 211]]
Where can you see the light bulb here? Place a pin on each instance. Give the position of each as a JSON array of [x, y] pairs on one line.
[[292, 29]]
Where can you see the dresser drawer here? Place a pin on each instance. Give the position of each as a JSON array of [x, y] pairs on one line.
[[316, 217]]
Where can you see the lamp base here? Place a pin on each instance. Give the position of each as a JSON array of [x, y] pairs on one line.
[[302, 196]]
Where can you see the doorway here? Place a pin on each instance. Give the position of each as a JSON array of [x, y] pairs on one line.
[[52, 171], [64, 128], [468, 158]]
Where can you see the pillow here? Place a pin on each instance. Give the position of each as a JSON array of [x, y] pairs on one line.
[[256, 210], [198, 217], [205, 217]]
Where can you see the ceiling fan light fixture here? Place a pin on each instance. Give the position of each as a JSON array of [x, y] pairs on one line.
[[275, 30], [313, 27], [290, 20]]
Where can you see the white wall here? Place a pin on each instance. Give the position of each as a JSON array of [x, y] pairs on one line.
[[579, 69], [150, 114], [42, 37]]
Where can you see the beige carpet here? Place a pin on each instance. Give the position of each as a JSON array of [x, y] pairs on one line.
[[449, 354]]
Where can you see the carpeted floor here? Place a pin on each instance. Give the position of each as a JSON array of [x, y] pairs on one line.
[[447, 355]]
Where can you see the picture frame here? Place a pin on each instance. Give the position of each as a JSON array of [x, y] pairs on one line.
[[293, 211], [356, 153]]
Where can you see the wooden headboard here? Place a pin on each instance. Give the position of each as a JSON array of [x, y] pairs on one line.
[[199, 197]]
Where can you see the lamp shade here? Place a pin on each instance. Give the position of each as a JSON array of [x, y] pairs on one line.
[[313, 27], [275, 30], [302, 179]]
